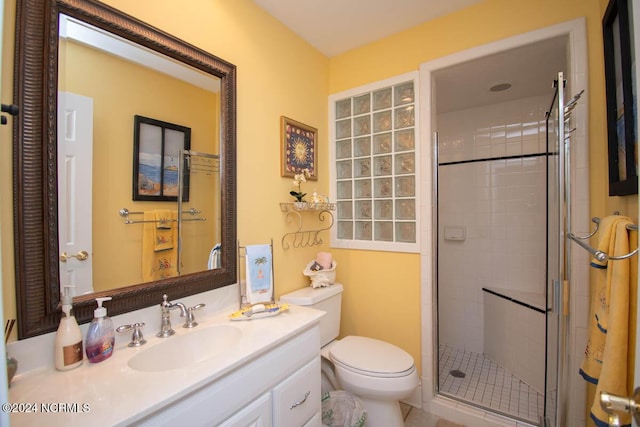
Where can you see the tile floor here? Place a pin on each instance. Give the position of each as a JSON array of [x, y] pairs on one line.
[[487, 384], [484, 383], [414, 417]]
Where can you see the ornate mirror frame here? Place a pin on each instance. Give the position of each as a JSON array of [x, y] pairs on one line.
[[35, 164]]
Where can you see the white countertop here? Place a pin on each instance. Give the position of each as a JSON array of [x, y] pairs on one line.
[[110, 392]]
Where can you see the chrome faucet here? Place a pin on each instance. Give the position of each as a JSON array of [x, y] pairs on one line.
[[191, 320], [136, 338], [166, 307]]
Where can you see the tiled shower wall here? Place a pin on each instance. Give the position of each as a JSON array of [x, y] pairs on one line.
[[501, 205]]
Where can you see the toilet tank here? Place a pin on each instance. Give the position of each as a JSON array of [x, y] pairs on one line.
[[328, 299]]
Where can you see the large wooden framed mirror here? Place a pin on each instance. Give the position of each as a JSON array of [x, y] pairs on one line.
[[36, 177]]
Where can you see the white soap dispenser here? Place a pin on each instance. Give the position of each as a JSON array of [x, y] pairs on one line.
[[68, 343], [100, 335]]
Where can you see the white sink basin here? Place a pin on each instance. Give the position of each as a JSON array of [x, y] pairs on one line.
[[183, 350]]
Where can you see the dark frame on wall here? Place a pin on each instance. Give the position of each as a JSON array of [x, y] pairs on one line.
[[298, 149], [156, 153], [621, 128]]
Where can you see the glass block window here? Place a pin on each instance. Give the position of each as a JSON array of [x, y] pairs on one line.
[[374, 166]]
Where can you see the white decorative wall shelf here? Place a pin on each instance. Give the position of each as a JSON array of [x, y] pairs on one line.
[[302, 238]]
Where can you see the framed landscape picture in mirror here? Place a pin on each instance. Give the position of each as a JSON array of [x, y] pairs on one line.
[[156, 154], [619, 62]]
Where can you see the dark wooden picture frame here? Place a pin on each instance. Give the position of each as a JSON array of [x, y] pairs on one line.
[[156, 154], [298, 149], [621, 128]]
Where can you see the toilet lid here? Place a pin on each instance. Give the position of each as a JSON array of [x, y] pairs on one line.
[[371, 356]]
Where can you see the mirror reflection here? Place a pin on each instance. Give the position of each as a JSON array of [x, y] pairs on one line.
[[115, 101], [104, 82]]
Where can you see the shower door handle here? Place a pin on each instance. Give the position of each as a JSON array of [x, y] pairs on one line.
[[560, 298], [565, 297], [556, 296], [615, 405]]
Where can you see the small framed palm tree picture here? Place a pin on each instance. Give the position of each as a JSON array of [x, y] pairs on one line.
[[298, 150]]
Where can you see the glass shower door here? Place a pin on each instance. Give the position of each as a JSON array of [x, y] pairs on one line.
[[553, 266], [199, 214], [555, 263]]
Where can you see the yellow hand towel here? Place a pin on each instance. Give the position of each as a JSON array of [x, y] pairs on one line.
[[606, 355], [158, 264], [594, 351], [633, 309]]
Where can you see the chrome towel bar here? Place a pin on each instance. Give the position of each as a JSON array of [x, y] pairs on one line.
[[124, 212], [597, 254]]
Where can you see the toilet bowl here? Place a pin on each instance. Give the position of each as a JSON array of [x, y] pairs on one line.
[[377, 372]]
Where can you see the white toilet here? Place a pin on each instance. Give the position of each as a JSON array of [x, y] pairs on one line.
[[379, 373]]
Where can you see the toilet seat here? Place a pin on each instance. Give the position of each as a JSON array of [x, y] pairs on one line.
[[371, 357]]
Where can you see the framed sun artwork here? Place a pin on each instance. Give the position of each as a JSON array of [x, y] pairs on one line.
[[298, 150]]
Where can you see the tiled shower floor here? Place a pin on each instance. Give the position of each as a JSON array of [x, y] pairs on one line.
[[488, 384]]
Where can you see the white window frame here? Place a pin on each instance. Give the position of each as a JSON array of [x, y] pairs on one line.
[[353, 243]]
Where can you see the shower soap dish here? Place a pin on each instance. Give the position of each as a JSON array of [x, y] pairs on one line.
[[258, 311]]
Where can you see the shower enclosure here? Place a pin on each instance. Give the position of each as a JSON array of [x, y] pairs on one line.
[[501, 256], [199, 172]]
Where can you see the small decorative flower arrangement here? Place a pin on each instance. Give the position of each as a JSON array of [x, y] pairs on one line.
[[298, 179]]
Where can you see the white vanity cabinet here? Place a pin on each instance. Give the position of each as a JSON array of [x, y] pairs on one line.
[[294, 402], [279, 388], [259, 380]]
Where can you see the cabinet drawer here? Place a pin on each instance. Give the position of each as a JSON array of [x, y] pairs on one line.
[[297, 399], [255, 414], [315, 421]]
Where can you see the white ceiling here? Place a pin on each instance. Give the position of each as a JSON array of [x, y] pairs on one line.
[[336, 26], [84, 33], [531, 71]]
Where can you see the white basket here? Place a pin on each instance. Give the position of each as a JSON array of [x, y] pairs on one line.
[[321, 278]]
